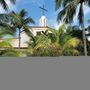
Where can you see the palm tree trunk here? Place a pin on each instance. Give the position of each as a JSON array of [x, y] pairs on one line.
[[84, 40], [81, 16], [19, 39]]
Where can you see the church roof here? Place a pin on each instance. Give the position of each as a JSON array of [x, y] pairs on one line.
[[38, 27]]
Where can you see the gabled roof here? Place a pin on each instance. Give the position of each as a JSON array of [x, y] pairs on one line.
[[38, 27]]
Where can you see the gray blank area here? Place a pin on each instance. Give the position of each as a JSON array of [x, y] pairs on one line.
[[44, 74]]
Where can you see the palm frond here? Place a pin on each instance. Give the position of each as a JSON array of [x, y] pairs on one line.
[[73, 42], [61, 29], [66, 2], [45, 32], [27, 29], [22, 13], [29, 20], [58, 4], [5, 31], [4, 4], [5, 44], [5, 18], [15, 18], [67, 13], [19, 20]]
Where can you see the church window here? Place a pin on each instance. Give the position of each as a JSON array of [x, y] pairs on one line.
[[38, 33]]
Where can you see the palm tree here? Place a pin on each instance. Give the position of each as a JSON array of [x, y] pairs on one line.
[[64, 40], [68, 12], [20, 22], [4, 3], [54, 43]]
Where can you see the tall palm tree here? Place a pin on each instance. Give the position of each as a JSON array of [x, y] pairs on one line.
[[4, 3], [68, 12], [21, 22]]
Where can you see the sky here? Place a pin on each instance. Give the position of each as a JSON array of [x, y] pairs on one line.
[[32, 7]]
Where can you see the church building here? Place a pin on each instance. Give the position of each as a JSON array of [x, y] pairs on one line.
[[36, 30]]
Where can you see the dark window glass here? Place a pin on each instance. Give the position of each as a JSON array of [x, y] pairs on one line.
[[38, 33]]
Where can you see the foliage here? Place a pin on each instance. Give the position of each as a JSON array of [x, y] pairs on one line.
[[21, 22], [41, 45], [5, 44], [46, 50], [4, 3], [11, 52], [69, 11], [51, 43], [55, 43], [28, 52], [66, 41]]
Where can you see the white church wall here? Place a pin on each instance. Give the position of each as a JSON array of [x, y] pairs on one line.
[[14, 42], [24, 40]]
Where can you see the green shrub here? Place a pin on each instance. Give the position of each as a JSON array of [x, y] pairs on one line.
[[11, 53], [46, 50]]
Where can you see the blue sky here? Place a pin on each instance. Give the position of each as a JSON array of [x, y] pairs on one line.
[[32, 6]]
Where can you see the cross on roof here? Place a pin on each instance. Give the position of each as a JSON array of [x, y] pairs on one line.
[[43, 9]]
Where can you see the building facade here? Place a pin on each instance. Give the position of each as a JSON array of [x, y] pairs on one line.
[[35, 30]]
